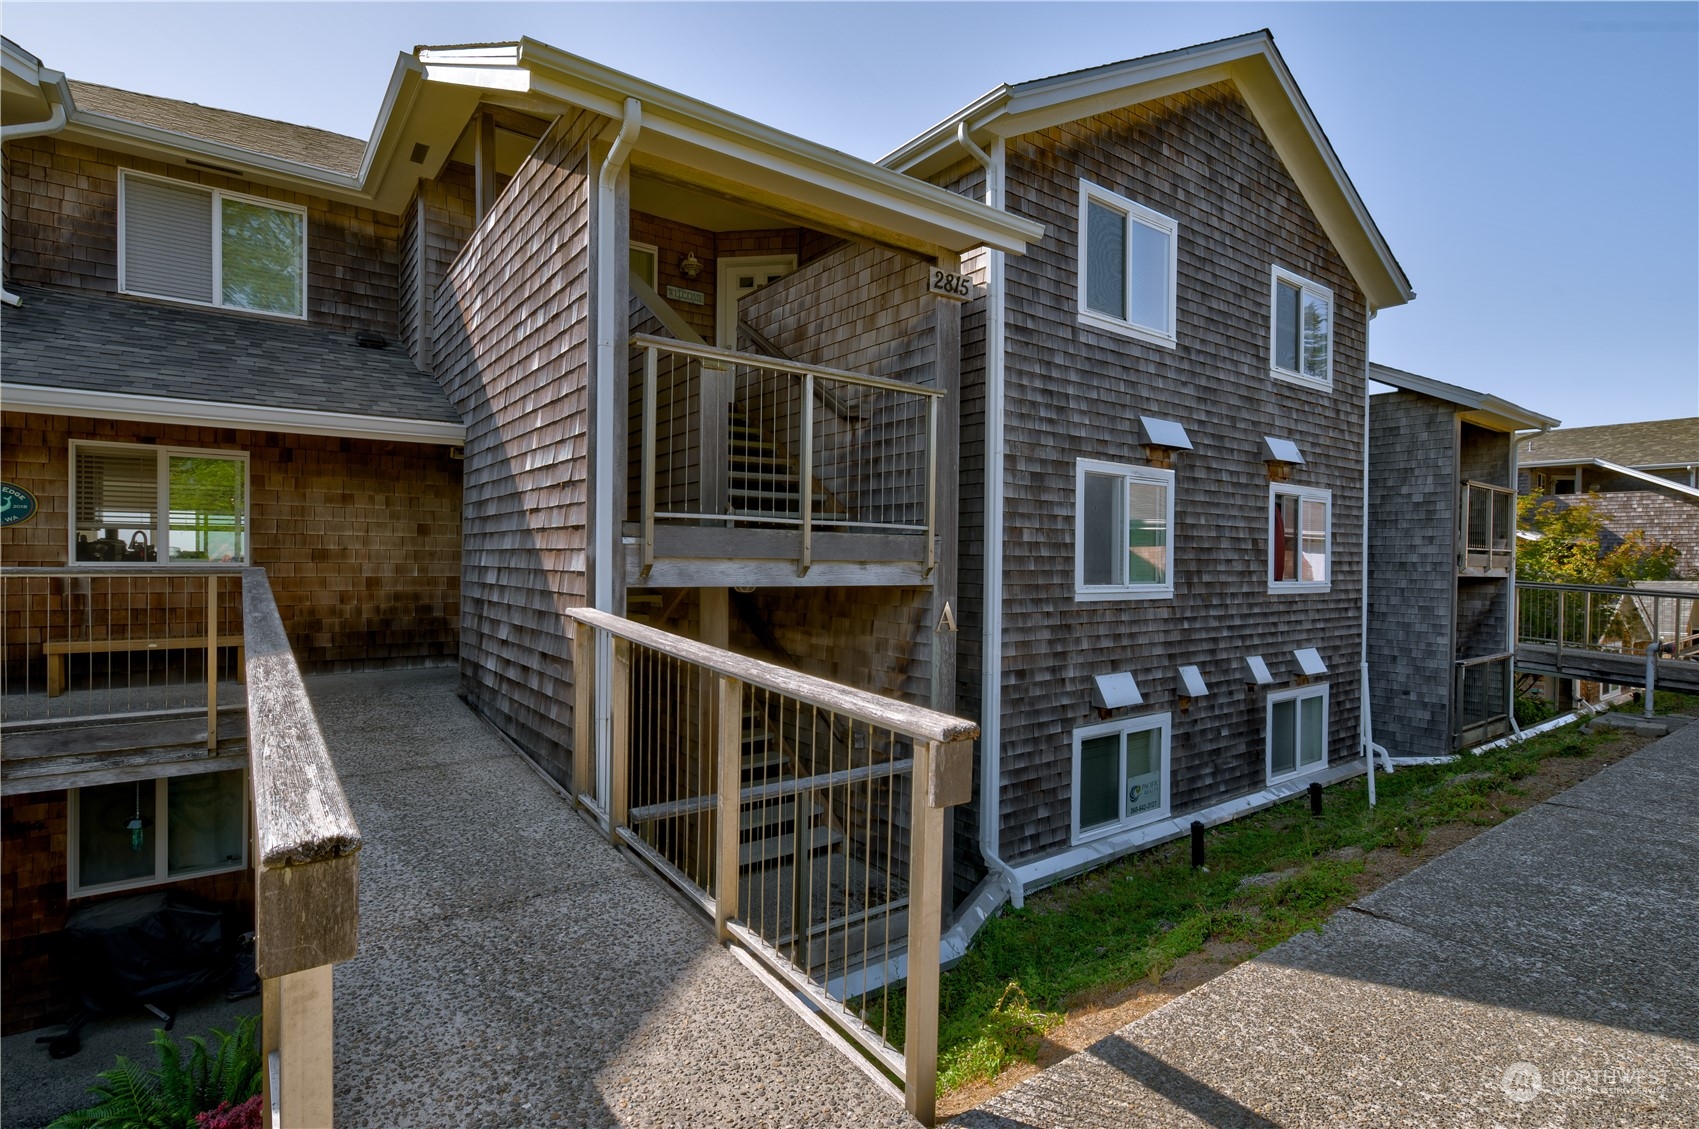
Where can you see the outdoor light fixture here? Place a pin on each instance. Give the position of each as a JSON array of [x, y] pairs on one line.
[[690, 266]]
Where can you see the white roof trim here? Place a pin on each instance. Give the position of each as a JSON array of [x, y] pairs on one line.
[[252, 417], [1489, 409]]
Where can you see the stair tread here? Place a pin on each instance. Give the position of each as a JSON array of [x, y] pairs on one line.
[[782, 846]]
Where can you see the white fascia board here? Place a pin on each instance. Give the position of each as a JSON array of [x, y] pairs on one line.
[[250, 417], [1614, 468], [1490, 410], [104, 130], [913, 207]]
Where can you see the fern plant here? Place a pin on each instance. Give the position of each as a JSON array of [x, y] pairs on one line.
[[170, 1095]]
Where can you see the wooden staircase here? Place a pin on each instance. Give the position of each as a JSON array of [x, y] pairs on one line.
[[768, 831], [762, 479]]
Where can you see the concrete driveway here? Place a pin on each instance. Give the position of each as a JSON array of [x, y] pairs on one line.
[[1545, 973]]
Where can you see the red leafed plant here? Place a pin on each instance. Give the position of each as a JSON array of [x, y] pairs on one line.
[[227, 1116]]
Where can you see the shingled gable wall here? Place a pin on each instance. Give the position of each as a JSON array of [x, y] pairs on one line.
[[1076, 392], [1413, 494], [62, 230], [513, 347]]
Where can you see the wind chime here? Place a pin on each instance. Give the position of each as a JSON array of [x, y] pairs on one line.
[[135, 824]]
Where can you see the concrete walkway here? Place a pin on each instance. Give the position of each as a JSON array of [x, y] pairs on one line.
[[514, 970], [1545, 973]]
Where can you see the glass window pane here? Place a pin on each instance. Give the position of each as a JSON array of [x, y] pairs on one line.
[[115, 833], [1144, 771], [1147, 533], [1286, 326], [1285, 540], [1283, 738], [1100, 780], [1150, 277], [204, 820], [643, 265], [1099, 550], [1480, 516], [208, 506], [117, 504], [1106, 261], [167, 239], [1312, 729], [263, 258], [1314, 545], [1318, 330]]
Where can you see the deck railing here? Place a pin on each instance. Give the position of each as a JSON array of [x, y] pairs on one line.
[[805, 816], [1482, 694], [147, 643], [734, 440], [1623, 620]]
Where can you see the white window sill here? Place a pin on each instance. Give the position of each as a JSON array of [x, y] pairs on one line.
[[140, 883], [1104, 831], [1298, 378], [1288, 777], [1287, 587], [1101, 595], [1126, 329]]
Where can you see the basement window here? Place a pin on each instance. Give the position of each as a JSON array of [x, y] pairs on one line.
[[1122, 523], [1301, 341], [1128, 260], [1297, 732], [210, 247], [139, 504], [143, 832], [1120, 775]]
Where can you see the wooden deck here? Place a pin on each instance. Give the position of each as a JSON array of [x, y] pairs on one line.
[[83, 751], [1606, 666]]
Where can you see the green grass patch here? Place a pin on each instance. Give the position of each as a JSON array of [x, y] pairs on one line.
[[1131, 920]]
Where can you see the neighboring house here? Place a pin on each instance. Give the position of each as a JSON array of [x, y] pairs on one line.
[[1442, 562], [1637, 476], [1165, 414], [396, 374]]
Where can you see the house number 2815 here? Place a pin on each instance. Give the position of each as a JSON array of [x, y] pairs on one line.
[[957, 286]]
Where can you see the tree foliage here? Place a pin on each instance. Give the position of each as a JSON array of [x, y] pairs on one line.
[[1570, 547]]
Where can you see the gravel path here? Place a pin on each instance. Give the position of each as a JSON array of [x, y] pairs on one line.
[[515, 970], [1541, 974]]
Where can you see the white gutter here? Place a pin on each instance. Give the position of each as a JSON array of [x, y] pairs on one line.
[[607, 379], [54, 122], [991, 658]]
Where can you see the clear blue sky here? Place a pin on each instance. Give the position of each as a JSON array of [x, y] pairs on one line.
[[1535, 167]]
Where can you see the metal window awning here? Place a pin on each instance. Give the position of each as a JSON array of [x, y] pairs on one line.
[[1155, 432], [1309, 661], [1115, 692], [1278, 450], [1256, 671], [1192, 684]]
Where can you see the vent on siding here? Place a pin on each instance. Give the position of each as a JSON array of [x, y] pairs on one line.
[[117, 489], [167, 240]]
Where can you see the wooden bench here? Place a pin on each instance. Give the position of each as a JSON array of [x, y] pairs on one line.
[[57, 650]]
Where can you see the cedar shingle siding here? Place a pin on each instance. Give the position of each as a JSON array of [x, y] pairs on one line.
[[1076, 392], [513, 348]]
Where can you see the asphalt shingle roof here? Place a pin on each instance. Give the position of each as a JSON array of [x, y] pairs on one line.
[[1653, 443], [102, 343], [316, 147]]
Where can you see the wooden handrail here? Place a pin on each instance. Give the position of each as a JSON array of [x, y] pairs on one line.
[[916, 722]]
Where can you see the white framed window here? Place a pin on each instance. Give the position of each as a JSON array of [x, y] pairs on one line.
[[210, 247], [1128, 264], [1297, 732], [133, 503], [1301, 330], [1120, 775], [1123, 523], [143, 832], [1300, 538], [645, 262]]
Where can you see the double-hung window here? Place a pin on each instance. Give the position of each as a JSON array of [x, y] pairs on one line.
[[1123, 523], [1120, 775], [1300, 538], [215, 248], [1301, 342], [140, 832], [135, 504], [1297, 731], [1128, 263]]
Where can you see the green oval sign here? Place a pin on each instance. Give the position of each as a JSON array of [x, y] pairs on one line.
[[17, 505]]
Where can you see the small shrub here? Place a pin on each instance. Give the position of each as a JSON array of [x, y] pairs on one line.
[[176, 1092], [1532, 711], [227, 1116]]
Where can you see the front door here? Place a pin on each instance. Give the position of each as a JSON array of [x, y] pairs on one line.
[[737, 278]]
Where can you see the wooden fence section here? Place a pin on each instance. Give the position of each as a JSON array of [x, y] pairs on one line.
[[306, 870], [805, 816]]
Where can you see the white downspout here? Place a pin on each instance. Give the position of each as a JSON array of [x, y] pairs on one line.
[[54, 123], [1365, 710], [991, 692], [607, 291]]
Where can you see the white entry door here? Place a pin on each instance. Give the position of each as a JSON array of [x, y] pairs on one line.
[[737, 278]]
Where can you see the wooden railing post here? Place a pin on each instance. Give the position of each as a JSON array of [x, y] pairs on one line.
[[212, 664], [583, 711], [651, 371], [619, 743], [943, 777], [298, 1027], [805, 475], [728, 763]]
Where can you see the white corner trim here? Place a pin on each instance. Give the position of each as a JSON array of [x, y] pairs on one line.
[[251, 417]]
